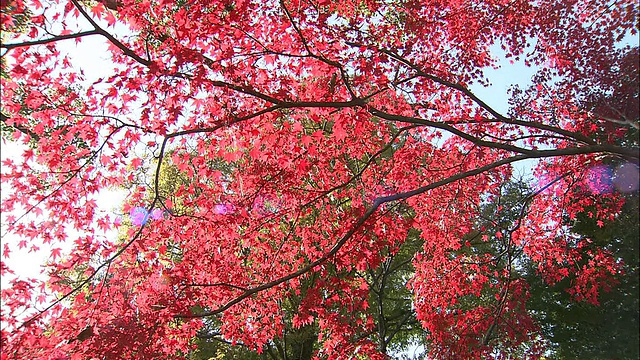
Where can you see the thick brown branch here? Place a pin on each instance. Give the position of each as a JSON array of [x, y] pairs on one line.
[[633, 153], [49, 40], [218, 284]]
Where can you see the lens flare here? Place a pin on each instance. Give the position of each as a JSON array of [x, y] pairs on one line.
[[156, 214], [223, 209], [139, 215], [599, 179], [626, 177]]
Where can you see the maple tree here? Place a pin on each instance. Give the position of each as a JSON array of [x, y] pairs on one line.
[[312, 139]]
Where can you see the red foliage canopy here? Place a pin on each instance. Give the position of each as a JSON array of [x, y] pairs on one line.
[[313, 137]]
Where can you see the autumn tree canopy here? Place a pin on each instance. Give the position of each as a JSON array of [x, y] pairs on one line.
[[277, 154]]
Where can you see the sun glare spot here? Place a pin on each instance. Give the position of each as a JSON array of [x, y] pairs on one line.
[[603, 179], [139, 215], [599, 179], [626, 177]]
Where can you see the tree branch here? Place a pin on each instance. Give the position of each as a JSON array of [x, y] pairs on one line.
[[130, 53], [50, 40], [633, 152]]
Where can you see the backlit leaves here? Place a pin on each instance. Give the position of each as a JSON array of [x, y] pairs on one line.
[[277, 154]]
